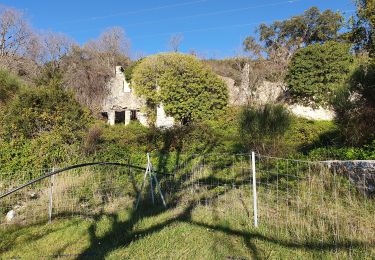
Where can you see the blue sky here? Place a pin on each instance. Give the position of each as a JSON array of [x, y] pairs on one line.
[[214, 28]]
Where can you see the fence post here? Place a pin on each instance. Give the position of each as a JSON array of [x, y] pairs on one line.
[[50, 196], [254, 190]]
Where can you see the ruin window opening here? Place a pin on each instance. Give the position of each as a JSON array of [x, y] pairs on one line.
[[104, 115], [119, 117], [133, 115]]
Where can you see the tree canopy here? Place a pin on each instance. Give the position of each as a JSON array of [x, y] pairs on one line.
[[313, 26], [186, 87], [362, 33], [317, 71]]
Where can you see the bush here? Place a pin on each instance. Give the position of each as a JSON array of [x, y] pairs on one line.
[[9, 86], [304, 135], [316, 72], [188, 89], [262, 127], [355, 107], [36, 111], [92, 138]]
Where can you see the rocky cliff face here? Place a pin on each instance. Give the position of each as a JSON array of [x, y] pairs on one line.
[[269, 92]]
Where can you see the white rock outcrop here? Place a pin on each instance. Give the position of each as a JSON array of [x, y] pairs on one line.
[[311, 113], [10, 216]]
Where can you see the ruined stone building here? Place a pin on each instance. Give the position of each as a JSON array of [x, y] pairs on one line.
[[122, 106]]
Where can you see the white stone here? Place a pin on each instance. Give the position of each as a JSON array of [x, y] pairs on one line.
[[162, 120], [142, 117], [319, 113], [33, 195], [10, 215]]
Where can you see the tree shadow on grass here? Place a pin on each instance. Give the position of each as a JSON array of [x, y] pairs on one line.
[[123, 232]]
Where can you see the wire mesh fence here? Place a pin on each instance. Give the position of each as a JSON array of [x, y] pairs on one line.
[[310, 201], [82, 192], [301, 203]]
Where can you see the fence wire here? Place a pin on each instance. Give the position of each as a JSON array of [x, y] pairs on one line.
[[302, 203]]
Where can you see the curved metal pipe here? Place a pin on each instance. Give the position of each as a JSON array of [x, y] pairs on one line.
[[67, 169]]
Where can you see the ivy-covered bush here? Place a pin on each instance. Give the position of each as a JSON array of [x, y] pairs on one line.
[[188, 89], [316, 72]]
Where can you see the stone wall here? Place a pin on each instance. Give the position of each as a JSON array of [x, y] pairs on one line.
[[360, 173]]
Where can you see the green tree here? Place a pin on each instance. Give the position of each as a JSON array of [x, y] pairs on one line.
[[363, 27], [187, 88], [318, 71], [302, 30]]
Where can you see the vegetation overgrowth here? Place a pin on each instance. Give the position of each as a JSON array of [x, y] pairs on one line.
[[49, 118], [205, 208]]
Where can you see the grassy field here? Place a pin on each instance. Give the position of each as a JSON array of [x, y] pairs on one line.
[[200, 231], [176, 233], [302, 215]]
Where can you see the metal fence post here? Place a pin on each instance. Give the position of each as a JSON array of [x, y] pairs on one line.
[[50, 197], [254, 190]]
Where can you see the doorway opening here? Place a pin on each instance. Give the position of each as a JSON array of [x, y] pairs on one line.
[[119, 117]]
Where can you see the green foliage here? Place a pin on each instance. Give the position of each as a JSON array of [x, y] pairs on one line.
[[302, 30], [263, 125], [188, 89], [9, 85], [47, 150], [130, 69], [366, 152], [362, 32], [36, 111], [355, 107], [318, 71], [49, 76], [251, 46], [304, 135]]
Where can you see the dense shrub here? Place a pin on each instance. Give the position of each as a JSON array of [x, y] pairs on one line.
[[355, 107], [366, 152], [36, 111], [304, 135], [262, 127], [189, 90], [316, 72], [130, 69], [9, 85]]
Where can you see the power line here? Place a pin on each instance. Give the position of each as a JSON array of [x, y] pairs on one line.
[[202, 29], [133, 12], [214, 13], [219, 27], [203, 14]]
